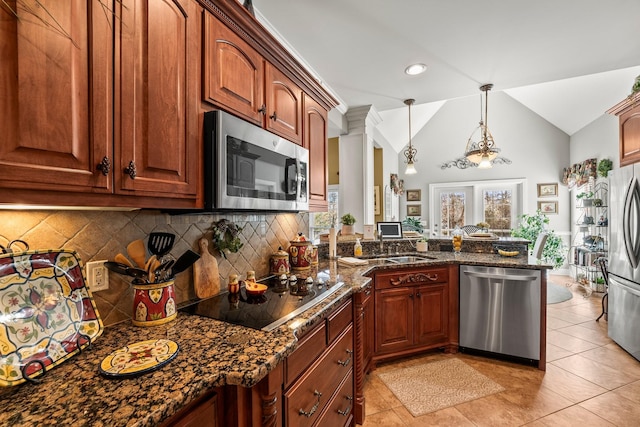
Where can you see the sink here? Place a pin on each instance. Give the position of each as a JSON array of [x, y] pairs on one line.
[[408, 259]]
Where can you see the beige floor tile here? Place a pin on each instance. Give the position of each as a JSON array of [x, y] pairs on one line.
[[569, 385], [574, 416], [614, 356], [568, 342], [386, 418], [587, 334], [554, 353], [596, 372], [567, 316], [614, 408], [449, 417], [513, 407], [630, 391], [378, 398], [554, 323]]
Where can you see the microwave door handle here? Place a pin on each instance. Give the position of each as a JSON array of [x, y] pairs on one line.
[[291, 183]]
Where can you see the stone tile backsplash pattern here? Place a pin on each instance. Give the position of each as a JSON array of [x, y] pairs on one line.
[[100, 235]]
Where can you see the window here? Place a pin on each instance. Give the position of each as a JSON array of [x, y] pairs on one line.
[[320, 222], [467, 203]]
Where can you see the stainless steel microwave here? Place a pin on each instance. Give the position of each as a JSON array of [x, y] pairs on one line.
[[249, 168]]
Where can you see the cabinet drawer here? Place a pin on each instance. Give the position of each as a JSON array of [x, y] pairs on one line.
[[339, 320], [306, 399], [413, 276], [312, 345], [341, 406]]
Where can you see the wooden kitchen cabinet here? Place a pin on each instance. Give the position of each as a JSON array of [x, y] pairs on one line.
[[203, 412], [628, 112], [284, 105], [315, 140], [319, 386], [156, 117], [56, 99], [233, 72], [364, 346], [68, 134], [415, 309]]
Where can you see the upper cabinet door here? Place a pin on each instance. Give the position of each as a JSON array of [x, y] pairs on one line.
[[284, 105], [315, 140], [233, 72], [56, 96], [630, 136], [156, 98]]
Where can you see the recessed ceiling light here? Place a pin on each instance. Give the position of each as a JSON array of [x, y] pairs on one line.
[[415, 69]]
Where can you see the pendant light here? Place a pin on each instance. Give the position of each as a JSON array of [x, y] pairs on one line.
[[410, 152], [484, 150]]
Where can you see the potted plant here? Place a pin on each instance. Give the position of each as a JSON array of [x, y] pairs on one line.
[[604, 167], [586, 197], [484, 226], [422, 245], [554, 251], [412, 224], [347, 221]]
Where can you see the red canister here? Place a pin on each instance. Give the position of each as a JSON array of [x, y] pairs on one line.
[[279, 263], [154, 303], [300, 253]]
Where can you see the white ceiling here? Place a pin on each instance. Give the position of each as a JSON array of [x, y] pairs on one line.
[[567, 60]]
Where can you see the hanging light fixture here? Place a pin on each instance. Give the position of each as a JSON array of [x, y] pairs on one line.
[[482, 151], [410, 152]]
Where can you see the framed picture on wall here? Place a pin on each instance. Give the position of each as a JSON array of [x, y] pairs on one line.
[[414, 210], [413, 195], [548, 190], [548, 207], [376, 200]]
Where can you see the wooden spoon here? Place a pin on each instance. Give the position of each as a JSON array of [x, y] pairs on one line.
[[137, 252], [123, 260]]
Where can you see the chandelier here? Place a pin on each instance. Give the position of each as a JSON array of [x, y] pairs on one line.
[[410, 152], [481, 148]]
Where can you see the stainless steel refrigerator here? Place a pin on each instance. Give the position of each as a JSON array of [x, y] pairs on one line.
[[624, 258]]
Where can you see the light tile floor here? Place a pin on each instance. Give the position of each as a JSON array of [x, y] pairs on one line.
[[589, 381]]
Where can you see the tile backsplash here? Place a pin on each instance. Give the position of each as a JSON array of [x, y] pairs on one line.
[[100, 235]]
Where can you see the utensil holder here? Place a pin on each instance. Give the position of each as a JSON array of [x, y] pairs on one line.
[[154, 303]]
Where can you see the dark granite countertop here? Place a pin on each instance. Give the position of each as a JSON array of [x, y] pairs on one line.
[[212, 353]]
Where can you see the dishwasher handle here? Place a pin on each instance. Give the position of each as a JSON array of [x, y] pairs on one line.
[[501, 276]]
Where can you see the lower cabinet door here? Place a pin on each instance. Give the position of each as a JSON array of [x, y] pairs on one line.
[[339, 410], [394, 319]]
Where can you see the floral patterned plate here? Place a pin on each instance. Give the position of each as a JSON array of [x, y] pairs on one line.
[[139, 358], [47, 314]]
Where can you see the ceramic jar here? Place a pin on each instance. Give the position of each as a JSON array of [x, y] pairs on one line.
[[279, 262], [154, 303], [300, 253]]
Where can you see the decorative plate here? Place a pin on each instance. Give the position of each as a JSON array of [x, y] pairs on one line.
[[139, 358], [47, 314]]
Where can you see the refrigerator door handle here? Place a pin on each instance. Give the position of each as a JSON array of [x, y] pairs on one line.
[[631, 204]]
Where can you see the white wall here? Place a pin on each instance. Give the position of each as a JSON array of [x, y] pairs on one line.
[[539, 151]]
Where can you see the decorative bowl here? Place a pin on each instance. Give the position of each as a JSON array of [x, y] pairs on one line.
[[255, 289]]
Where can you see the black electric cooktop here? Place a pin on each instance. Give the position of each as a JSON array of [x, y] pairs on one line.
[[280, 303]]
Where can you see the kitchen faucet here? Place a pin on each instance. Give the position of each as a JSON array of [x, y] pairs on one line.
[[380, 235]]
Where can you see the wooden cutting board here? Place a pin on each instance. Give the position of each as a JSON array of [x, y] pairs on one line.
[[206, 277]]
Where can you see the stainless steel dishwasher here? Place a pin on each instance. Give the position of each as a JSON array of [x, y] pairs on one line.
[[500, 310]]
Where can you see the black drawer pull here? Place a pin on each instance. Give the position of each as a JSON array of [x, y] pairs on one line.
[[314, 408], [348, 410], [346, 362]]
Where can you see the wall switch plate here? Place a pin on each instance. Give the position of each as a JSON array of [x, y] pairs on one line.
[[97, 276]]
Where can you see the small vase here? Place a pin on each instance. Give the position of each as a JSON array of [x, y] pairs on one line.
[[347, 230], [422, 246]]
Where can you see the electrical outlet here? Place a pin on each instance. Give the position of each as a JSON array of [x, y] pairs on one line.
[[97, 276]]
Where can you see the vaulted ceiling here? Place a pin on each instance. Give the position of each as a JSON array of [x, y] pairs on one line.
[[568, 61]]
